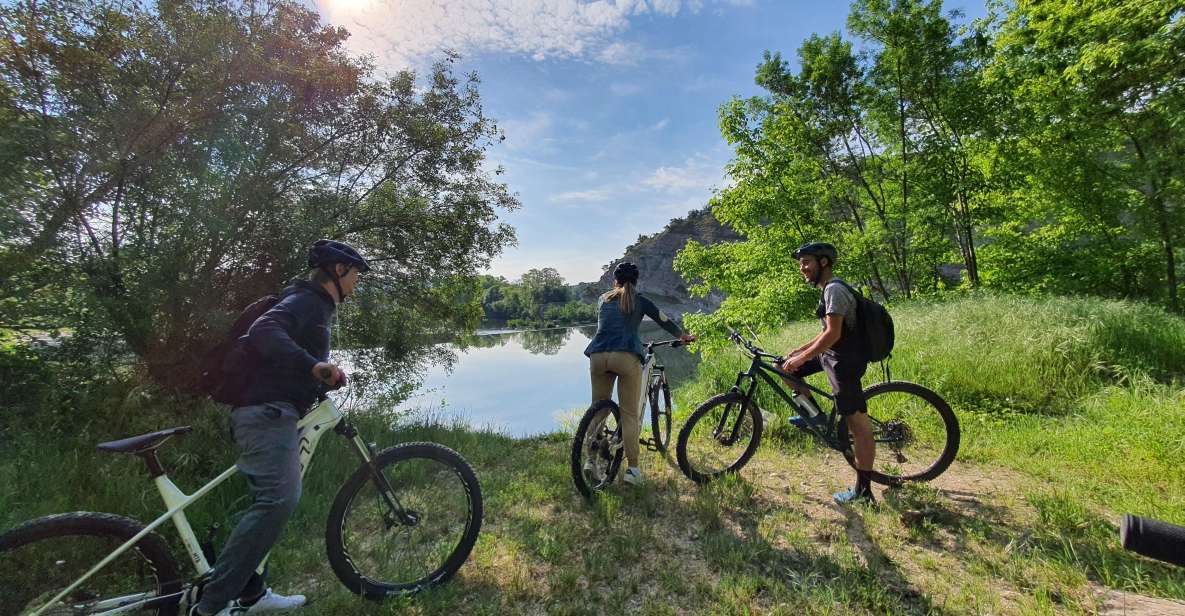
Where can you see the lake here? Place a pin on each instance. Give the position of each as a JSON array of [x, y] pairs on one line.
[[523, 383]]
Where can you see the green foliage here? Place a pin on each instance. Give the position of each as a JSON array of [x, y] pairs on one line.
[[540, 298], [192, 151], [1036, 151]]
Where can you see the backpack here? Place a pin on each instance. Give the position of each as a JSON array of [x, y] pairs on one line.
[[875, 326], [227, 368]]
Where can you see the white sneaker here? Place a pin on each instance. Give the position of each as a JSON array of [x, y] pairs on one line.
[[269, 602], [633, 476]]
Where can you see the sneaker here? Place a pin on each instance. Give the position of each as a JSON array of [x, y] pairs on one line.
[[851, 496], [269, 602], [798, 421], [633, 476]]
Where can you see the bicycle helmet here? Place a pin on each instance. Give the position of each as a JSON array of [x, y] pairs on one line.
[[328, 252], [817, 250], [625, 272]]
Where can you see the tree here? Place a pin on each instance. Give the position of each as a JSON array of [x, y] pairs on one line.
[[182, 155], [1104, 79]]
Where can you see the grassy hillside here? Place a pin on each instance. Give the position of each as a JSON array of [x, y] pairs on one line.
[[1072, 413]]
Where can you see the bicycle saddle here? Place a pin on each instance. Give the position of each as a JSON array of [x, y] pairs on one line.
[[144, 442]]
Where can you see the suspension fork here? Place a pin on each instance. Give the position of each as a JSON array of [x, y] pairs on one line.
[[747, 398], [366, 451]]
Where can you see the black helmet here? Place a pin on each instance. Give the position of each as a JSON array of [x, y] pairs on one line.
[[328, 252], [817, 250], [625, 272]]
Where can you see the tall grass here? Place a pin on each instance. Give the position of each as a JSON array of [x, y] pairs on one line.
[[1074, 404]]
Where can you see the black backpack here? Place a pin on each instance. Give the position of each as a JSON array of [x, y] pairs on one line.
[[874, 324], [227, 368]]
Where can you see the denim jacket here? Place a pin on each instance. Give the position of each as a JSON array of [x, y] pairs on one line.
[[619, 332]]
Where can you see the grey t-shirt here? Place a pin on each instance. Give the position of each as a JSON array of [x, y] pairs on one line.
[[837, 299]]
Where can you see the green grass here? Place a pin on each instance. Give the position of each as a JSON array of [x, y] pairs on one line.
[[1071, 412]]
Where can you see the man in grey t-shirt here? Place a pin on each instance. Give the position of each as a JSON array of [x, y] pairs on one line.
[[837, 351]]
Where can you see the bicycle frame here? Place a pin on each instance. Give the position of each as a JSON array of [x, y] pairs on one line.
[[648, 367], [310, 428], [829, 432]]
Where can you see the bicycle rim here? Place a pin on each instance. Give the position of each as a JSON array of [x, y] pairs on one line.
[[660, 415], [377, 550], [915, 432], [597, 449], [39, 560], [719, 437]]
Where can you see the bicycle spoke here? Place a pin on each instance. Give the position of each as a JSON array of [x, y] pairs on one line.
[[909, 433], [33, 574], [717, 439], [383, 545]]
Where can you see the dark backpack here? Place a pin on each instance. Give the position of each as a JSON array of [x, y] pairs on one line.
[[227, 368], [874, 325]]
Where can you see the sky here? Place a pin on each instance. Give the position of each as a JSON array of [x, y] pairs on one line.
[[609, 107]]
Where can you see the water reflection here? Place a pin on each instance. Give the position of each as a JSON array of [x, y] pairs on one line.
[[526, 382]]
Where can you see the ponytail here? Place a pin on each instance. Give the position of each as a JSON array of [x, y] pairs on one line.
[[626, 296]]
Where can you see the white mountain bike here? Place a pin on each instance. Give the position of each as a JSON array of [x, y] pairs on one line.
[[597, 449], [404, 521]]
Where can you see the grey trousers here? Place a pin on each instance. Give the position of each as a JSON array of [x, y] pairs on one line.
[[270, 459]]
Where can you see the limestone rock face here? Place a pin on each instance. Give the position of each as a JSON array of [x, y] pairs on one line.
[[655, 254]]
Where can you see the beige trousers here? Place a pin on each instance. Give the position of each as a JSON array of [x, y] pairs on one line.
[[625, 368]]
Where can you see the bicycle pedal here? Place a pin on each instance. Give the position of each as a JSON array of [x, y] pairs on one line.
[[649, 443]]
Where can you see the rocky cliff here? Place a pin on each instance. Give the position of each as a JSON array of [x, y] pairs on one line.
[[654, 256]]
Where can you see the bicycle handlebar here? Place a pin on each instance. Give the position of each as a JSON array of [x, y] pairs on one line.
[[674, 344], [753, 349]]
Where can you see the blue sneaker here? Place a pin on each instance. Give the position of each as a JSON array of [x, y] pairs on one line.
[[798, 421], [851, 496]]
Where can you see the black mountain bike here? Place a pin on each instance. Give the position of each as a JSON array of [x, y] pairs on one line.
[[597, 448], [916, 433]]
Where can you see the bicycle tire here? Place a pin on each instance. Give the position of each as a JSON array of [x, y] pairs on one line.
[[700, 420], [410, 469], [891, 430], [660, 416], [75, 542], [602, 444]]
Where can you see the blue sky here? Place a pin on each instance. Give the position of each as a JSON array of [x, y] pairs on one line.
[[609, 106]]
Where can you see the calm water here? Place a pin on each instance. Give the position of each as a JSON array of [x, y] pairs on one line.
[[525, 383]]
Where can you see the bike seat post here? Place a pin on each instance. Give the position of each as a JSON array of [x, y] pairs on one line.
[[152, 462]]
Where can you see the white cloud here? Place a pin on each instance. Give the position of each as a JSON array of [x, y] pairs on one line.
[[698, 174], [401, 32], [599, 194], [661, 124], [532, 132]]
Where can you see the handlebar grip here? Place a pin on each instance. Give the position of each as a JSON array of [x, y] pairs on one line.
[[1152, 538], [325, 373]]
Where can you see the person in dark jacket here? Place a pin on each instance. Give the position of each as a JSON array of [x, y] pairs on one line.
[[292, 342], [615, 354]]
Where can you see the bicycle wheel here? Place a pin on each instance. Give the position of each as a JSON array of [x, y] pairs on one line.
[[660, 416], [915, 430], [718, 438], [416, 535], [41, 557], [597, 448]]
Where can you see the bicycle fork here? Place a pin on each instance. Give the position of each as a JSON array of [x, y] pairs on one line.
[[730, 438], [395, 513]]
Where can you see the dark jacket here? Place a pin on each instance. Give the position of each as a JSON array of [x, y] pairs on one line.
[[619, 332], [289, 340]]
